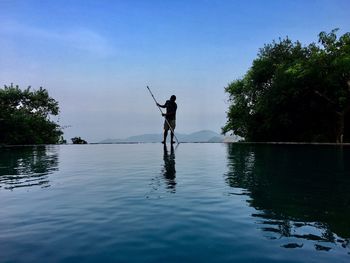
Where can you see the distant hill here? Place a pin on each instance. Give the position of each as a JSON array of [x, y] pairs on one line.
[[200, 136]]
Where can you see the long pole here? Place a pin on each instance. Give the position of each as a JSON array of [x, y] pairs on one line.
[[162, 114]]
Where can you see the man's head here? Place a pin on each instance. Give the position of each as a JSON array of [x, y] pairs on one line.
[[173, 98]]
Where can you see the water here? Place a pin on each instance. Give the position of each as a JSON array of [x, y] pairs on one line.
[[197, 203]]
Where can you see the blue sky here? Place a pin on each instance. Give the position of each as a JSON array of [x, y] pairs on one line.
[[97, 57]]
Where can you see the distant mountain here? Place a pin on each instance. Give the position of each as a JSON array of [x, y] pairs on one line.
[[200, 136]]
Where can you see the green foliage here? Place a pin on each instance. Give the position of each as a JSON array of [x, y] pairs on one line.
[[294, 93], [24, 116]]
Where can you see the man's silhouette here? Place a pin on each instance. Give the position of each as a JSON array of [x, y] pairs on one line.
[[170, 118]]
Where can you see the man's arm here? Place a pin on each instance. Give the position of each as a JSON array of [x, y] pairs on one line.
[[162, 106]]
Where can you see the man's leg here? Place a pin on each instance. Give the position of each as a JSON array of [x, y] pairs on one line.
[[172, 137], [165, 135], [172, 123]]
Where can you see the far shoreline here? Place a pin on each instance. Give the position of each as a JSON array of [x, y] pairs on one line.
[[123, 143]]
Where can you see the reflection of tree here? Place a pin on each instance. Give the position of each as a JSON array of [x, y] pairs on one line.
[[27, 166], [293, 184], [169, 171]]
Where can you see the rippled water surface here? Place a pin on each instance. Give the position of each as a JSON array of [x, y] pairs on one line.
[[196, 203]]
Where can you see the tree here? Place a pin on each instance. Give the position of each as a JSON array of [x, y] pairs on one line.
[[25, 116], [333, 73], [294, 92]]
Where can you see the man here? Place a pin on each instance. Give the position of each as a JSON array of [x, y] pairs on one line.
[[170, 118]]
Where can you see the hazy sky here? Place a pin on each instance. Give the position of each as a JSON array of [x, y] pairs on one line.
[[97, 57]]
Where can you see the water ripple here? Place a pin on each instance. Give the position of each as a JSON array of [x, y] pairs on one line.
[[201, 203]]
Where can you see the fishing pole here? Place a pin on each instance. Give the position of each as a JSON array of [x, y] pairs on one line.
[[162, 114]]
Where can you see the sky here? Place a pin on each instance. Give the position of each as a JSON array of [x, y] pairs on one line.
[[97, 57]]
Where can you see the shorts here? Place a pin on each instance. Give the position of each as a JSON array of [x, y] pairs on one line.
[[172, 124]]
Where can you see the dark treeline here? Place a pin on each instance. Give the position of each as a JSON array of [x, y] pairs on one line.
[[25, 116], [294, 93]]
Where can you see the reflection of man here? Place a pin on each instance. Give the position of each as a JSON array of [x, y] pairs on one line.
[[169, 171]]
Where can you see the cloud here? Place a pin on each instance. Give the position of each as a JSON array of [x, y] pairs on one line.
[[79, 38], [89, 41]]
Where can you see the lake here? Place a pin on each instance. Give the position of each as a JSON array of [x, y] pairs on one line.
[[194, 203]]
